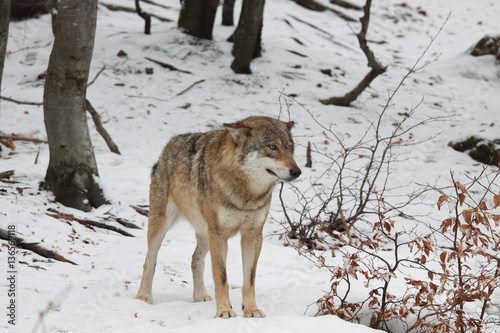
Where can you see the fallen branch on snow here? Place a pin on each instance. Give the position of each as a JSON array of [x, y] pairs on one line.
[[131, 10], [191, 86], [88, 223], [123, 222], [22, 138], [8, 99], [318, 7], [34, 247], [141, 210], [168, 66]]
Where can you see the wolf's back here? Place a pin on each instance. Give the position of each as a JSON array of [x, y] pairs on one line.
[[185, 155]]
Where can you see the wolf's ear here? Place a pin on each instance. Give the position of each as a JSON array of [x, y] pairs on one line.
[[238, 131], [290, 124]]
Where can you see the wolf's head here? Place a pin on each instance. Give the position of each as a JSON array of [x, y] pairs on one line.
[[265, 146]]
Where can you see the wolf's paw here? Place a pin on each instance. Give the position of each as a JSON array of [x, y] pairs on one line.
[[145, 298], [255, 313], [225, 314], [202, 298]]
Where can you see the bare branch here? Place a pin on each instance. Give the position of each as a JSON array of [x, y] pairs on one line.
[[8, 99], [34, 247], [98, 124]]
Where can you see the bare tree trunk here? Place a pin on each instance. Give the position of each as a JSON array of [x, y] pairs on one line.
[[72, 172], [376, 67], [247, 36], [197, 17], [4, 33], [145, 16], [228, 13]]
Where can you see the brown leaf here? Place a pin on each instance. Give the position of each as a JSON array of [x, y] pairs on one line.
[[496, 218], [483, 206], [461, 198], [467, 214], [496, 200], [441, 200], [381, 203], [461, 187], [443, 256], [446, 224]]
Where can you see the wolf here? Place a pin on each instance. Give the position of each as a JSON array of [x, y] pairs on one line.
[[221, 182]]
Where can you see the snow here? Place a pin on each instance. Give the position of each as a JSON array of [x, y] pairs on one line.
[[98, 295]]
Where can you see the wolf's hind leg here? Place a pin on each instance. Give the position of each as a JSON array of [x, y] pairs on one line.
[[198, 267], [162, 215]]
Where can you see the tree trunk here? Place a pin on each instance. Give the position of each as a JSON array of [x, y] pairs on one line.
[[4, 33], [376, 67], [228, 13], [247, 36], [197, 17], [72, 172]]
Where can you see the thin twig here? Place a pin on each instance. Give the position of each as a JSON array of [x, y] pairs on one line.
[[191, 86], [96, 76], [8, 99], [53, 305], [344, 223]]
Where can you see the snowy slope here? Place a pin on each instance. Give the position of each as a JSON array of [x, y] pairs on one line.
[[98, 295]]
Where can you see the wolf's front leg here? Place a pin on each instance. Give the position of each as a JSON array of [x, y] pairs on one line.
[[218, 253], [251, 243]]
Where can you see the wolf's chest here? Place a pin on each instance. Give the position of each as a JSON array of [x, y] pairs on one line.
[[235, 219]]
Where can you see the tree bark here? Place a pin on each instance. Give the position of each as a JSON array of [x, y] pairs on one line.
[[376, 67], [4, 33], [145, 16], [228, 13], [197, 17], [72, 172], [247, 37]]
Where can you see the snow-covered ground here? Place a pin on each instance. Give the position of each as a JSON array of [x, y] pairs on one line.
[[144, 111]]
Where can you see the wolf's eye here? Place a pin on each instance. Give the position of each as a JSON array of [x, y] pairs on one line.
[[272, 147]]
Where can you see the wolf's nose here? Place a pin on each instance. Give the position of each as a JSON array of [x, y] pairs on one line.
[[295, 172]]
